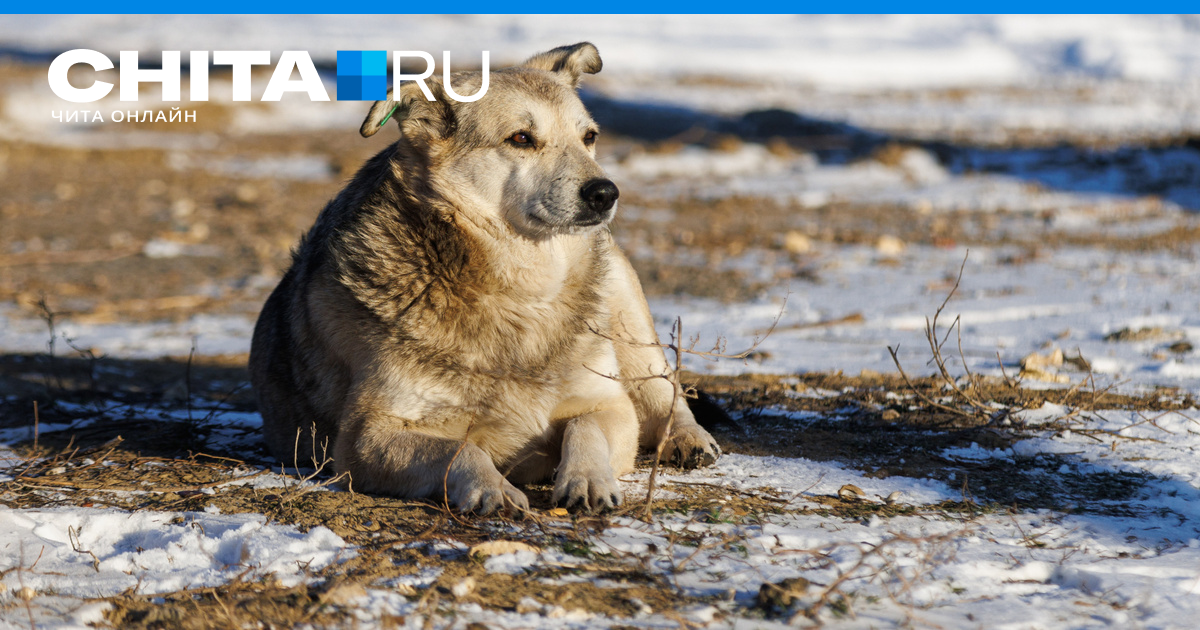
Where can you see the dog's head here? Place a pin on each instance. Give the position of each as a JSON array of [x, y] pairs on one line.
[[524, 154]]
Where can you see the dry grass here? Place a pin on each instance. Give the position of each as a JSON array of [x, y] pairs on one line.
[[81, 218], [120, 443], [120, 451]]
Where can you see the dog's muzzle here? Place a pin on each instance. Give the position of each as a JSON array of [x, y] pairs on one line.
[[598, 196]]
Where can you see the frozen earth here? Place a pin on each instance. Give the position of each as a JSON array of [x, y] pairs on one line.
[[1066, 143]]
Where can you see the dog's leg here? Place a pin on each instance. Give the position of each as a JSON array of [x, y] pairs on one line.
[[380, 456], [656, 399], [596, 447]]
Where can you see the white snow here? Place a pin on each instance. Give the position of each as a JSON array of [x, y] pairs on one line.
[[1070, 299], [748, 473], [853, 51], [1116, 76], [77, 553], [198, 550], [213, 334]]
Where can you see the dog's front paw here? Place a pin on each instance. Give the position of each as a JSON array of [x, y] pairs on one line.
[[594, 491], [487, 499], [690, 446]]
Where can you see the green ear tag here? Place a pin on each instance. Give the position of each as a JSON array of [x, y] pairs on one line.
[[385, 118]]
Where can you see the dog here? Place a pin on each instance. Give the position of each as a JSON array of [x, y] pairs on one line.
[[459, 320]]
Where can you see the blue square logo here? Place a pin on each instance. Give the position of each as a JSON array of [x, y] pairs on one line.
[[374, 88], [374, 63], [349, 62], [361, 75], [349, 88]]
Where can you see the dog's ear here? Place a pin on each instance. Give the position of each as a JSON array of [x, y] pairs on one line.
[[569, 61], [412, 112]]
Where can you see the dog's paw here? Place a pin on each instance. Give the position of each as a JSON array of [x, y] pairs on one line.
[[484, 500], [594, 491], [690, 446]]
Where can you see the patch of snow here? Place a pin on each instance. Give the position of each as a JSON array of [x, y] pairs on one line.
[[84, 553], [511, 563], [214, 335], [700, 163], [832, 51]]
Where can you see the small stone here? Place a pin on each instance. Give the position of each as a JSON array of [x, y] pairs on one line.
[[781, 595], [26, 593], [893, 497], [528, 605], [642, 607], [1146, 333], [182, 208], [889, 245], [850, 492], [889, 415], [199, 231], [465, 587], [797, 242], [501, 547], [246, 193], [1043, 367], [1035, 374], [1180, 347], [1035, 361]]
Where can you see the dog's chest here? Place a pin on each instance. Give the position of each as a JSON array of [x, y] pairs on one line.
[[497, 336], [502, 378]]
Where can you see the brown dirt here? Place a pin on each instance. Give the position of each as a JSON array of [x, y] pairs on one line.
[[843, 418], [73, 224], [881, 425]]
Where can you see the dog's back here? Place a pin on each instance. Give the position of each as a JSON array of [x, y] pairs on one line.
[[295, 381]]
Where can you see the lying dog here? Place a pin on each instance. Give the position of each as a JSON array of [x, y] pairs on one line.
[[459, 318]]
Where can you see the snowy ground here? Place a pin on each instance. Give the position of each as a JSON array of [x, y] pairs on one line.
[[1121, 562], [838, 169]]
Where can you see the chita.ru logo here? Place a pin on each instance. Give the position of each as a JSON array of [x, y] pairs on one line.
[[361, 74]]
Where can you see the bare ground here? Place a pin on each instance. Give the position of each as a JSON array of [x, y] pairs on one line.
[[120, 452], [76, 228]]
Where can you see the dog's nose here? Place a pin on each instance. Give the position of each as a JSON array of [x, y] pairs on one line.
[[599, 195]]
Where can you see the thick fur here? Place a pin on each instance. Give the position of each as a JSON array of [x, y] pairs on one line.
[[458, 320]]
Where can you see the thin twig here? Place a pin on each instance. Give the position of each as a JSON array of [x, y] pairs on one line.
[[36, 427], [676, 335], [73, 537]]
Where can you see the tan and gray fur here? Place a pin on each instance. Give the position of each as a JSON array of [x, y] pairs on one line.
[[459, 318]]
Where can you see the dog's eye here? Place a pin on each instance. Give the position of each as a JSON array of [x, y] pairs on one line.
[[522, 138], [589, 138]]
